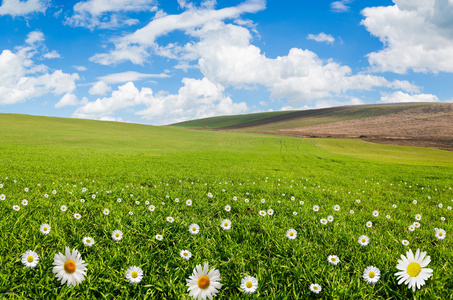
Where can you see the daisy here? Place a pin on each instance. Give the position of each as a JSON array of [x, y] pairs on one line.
[[25, 202], [63, 208], [188, 202], [293, 198], [323, 221], [301, 202], [210, 195], [147, 202], [440, 205], [45, 228], [249, 284], [295, 213], [394, 205], [16, 207], [388, 217], [194, 228], [30, 259], [88, 241], [415, 201], [405, 242], [336, 207], [449, 208], [440, 234], [77, 216], [2, 197], [315, 288], [185, 254], [416, 224], [159, 237], [371, 274], [442, 219], [225, 224], [227, 208], [315, 208], [203, 284], [84, 190], [235, 198], [26, 189], [375, 213], [93, 196], [82, 200], [131, 213], [117, 235], [369, 224], [134, 274], [291, 234], [358, 200], [333, 259], [106, 211], [246, 200], [263, 213], [412, 269], [263, 200], [364, 240], [170, 219], [418, 217], [70, 268], [270, 211], [137, 202], [54, 192], [330, 218], [118, 200], [351, 212], [151, 208], [411, 227]]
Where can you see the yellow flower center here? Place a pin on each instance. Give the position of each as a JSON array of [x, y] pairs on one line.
[[70, 266], [88, 241], [333, 258], [117, 234], [30, 258], [249, 284], [203, 282], [371, 274], [291, 233], [134, 274], [225, 224], [440, 233], [45, 229], [185, 253], [363, 240], [194, 228], [414, 269], [315, 287]]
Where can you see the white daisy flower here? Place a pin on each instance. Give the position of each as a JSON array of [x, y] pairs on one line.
[[16, 207], [364, 240], [117, 235], [330, 218], [84, 190], [24, 202], [227, 208], [442, 219], [194, 228], [210, 195], [371, 274], [262, 213], [375, 213], [235, 198], [369, 224], [188, 202], [358, 200], [333, 259], [137, 202], [131, 213], [405, 242], [118, 200], [185, 254], [30, 259], [263, 200], [77, 216], [147, 202], [336, 207], [88, 241], [315, 288], [351, 212], [301, 202], [411, 227], [440, 234], [151, 208], [394, 206], [93, 196], [2, 197], [203, 284], [82, 200], [449, 207], [46, 195], [170, 219], [315, 208], [323, 221], [291, 234], [388, 217], [45, 228], [249, 284], [225, 224], [418, 217], [295, 213], [134, 274], [416, 224], [415, 201], [26, 190], [176, 200], [246, 200], [159, 237], [63, 208], [54, 192], [106, 211], [270, 211], [70, 268], [412, 269], [440, 205]]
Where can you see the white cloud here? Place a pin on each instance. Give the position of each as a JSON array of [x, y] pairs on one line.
[[21, 79], [400, 97], [340, 6], [129, 76], [135, 47], [100, 88], [196, 99], [322, 37], [417, 35], [34, 37], [70, 100], [52, 54], [18, 8], [107, 13]]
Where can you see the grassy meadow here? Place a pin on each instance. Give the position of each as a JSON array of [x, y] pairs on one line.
[[61, 161]]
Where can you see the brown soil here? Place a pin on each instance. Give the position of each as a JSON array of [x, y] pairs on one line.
[[426, 126]]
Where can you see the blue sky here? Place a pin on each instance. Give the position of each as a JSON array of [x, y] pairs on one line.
[[159, 62]]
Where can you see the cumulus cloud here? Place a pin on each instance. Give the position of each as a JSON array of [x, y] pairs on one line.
[[400, 97], [70, 100], [107, 14], [21, 79], [52, 54], [196, 99], [340, 6], [100, 88], [16, 8], [417, 35], [322, 37]]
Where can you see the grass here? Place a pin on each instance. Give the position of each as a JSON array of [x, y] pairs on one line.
[[159, 164]]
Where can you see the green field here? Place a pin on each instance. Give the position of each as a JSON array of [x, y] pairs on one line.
[[159, 164]]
